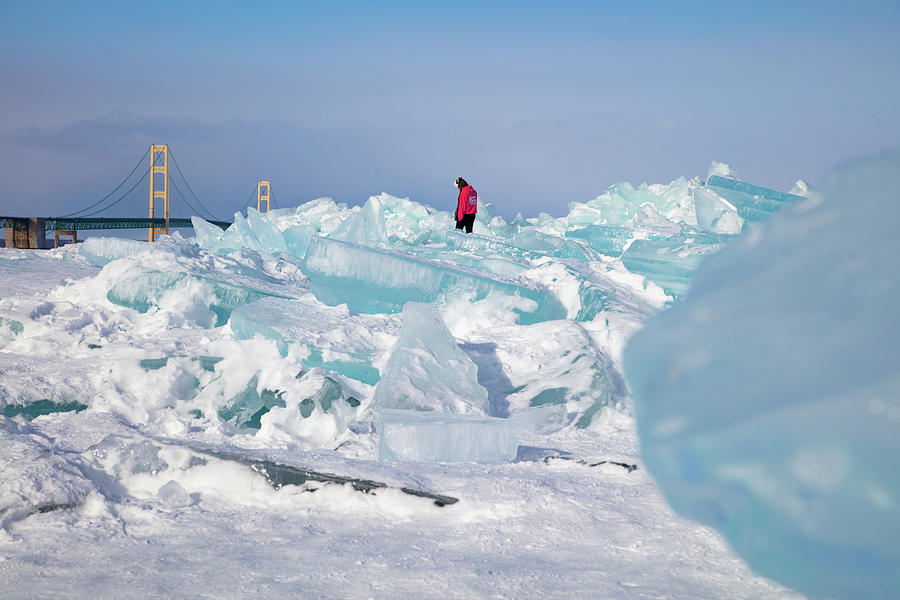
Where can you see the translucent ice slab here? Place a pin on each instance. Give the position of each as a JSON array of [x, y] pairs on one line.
[[670, 263], [100, 250], [216, 298], [442, 437], [371, 280], [255, 231], [753, 202], [606, 239], [711, 210]]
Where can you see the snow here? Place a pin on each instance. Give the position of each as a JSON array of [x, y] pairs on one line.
[[139, 382], [767, 401]]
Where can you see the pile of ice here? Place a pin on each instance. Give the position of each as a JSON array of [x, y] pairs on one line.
[[768, 402], [308, 327]]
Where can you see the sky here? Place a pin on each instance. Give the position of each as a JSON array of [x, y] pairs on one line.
[[536, 104]]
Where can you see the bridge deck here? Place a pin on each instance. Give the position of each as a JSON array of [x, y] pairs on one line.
[[84, 224]]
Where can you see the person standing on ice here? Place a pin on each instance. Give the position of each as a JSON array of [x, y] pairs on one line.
[[466, 205]]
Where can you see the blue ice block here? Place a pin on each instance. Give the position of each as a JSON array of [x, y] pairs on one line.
[[371, 280], [753, 202], [444, 437]]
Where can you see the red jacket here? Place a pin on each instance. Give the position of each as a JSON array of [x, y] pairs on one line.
[[467, 203]]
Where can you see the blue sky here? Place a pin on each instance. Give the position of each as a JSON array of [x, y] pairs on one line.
[[536, 104]]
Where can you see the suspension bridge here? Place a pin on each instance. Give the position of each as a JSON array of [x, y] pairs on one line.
[[31, 232]]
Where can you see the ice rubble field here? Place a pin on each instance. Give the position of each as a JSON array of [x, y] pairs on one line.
[[377, 342]]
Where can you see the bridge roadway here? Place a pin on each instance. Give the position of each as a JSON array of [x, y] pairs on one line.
[[29, 232]]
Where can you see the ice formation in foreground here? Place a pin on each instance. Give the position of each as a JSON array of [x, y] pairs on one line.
[[768, 402]]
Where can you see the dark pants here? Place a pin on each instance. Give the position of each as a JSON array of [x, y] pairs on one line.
[[467, 222]]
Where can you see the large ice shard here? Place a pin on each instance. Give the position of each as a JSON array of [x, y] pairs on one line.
[[256, 231], [715, 213], [385, 220], [211, 301], [768, 402], [99, 251], [605, 239], [374, 280], [622, 202], [671, 262], [444, 437], [336, 341], [427, 370], [753, 202]]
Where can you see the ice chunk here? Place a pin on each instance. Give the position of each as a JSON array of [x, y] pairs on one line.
[[373, 280], [365, 227], [649, 219], [100, 250], [385, 220], [715, 213], [124, 457], [801, 188], [443, 437], [545, 365], [623, 202], [549, 245], [321, 216], [753, 202], [270, 239], [671, 262], [614, 207], [606, 239], [172, 495], [484, 246], [729, 223], [208, 236], [675, 202], [256, 232], [296, 239], [721, 169], [203, 301], [317, 411], [337, 341], [427, 370], [767, 401], [9, 330], [244, 411]]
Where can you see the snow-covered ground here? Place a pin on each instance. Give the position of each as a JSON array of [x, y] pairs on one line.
[[158, 366]]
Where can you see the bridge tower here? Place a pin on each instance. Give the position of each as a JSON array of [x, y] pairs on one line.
[[263, 192], [159, 163]]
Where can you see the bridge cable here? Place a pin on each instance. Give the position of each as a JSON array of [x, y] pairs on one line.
[[183, 197], [122, 197], [253, 194], [112, 192], [208, 212], [272, 193]]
